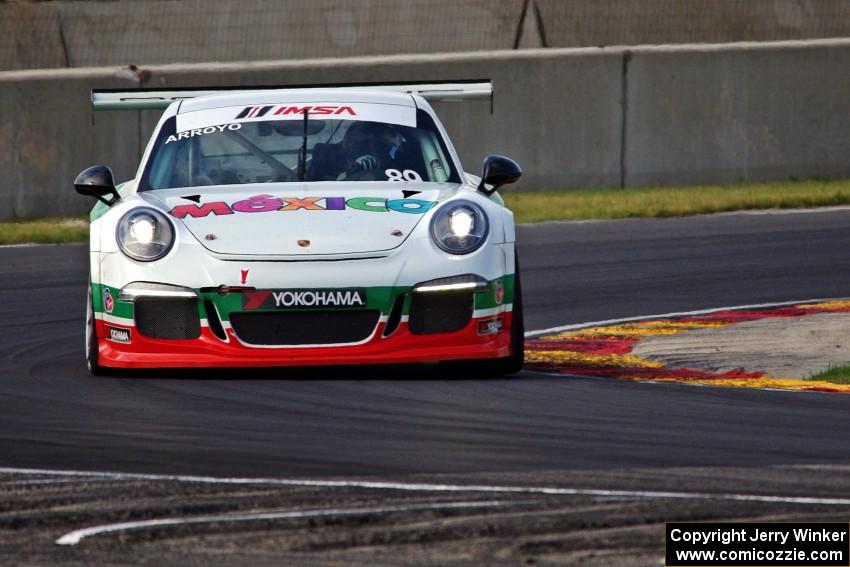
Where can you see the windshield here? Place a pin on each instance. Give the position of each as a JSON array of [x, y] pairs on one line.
[[263, 144]]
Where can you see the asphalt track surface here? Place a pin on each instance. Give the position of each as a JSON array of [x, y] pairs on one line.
[[406, 422]]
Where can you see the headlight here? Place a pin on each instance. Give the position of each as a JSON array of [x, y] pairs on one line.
[[459, 227], [145, 234]]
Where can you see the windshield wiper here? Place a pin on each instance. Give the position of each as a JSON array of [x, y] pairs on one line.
[[302, 153]]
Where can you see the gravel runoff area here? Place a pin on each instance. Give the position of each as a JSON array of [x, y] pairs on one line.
[[581, 518], [781, 347]]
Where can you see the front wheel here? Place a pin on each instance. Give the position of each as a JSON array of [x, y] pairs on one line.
[[513, 363], [91, 337]]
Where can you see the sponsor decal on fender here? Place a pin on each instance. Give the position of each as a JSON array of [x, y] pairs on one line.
[[268, 203], [118, 335], [108, 302], [347, 298], [489, 326], [499, 292]]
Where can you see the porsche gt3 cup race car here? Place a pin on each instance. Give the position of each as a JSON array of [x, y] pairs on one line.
[[301, 226]]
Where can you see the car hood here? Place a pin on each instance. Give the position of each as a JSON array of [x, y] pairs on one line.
[[302, 219]]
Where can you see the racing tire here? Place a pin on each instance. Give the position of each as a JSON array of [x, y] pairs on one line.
[[92, 357], [513, 363], [510, 364]]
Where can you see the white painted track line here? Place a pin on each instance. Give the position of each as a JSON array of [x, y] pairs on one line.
[[577, 326], [429, 487], [76, 536]]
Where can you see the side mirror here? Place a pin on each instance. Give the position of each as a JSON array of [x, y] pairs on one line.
[[97, 182], [498, 171]]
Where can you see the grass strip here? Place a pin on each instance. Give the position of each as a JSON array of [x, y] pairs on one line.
[[587, 204], [835, 374], [45, 231]]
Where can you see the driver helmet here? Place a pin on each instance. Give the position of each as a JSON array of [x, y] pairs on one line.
[[361, 138]]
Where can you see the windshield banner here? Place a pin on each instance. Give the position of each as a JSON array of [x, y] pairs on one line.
[[371, 112]]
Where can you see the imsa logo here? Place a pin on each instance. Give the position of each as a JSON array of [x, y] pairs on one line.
[[260, 111], [118, 335]]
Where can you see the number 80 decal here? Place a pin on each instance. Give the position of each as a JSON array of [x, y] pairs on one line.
[[406, 175]]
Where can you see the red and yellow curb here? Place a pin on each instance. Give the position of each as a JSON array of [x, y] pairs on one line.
[[607, 350]]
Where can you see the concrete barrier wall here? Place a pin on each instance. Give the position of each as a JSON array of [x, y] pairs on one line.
[[47, 136], [568, 23], [80, 33], [145, 32], [733, 113], [571, 117], [557, 113], [30, 36]]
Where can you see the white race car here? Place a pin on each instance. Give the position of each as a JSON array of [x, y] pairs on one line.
[[291, 227]]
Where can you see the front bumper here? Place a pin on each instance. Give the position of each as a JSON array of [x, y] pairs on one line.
[[486, 334], [402, 346]]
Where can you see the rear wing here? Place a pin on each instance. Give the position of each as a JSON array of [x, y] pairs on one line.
[[146, 99]]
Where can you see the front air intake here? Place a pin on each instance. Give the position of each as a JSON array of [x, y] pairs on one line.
[[158, 318], [294, 328], [213, 320], [444, 312]]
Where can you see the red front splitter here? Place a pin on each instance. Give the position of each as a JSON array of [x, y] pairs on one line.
[[208, 351]]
